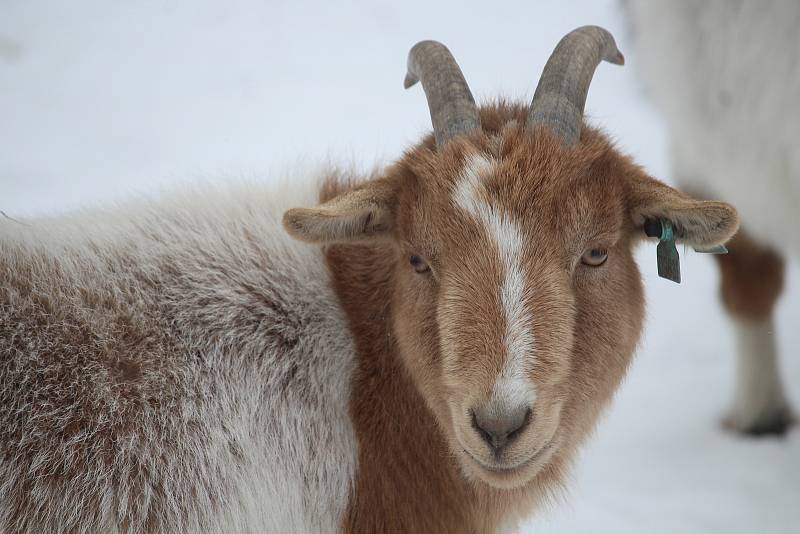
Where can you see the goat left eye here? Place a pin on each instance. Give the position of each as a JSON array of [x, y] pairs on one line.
[[594, 257], [419, 265]]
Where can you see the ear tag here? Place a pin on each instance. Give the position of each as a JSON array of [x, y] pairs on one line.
[[719, 249], [667, 258]]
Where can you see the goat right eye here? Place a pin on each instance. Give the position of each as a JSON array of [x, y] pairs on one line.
[[594, 257], [419, 265]]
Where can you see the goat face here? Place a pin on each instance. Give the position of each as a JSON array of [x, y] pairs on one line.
[[517, 303], [533, 291]]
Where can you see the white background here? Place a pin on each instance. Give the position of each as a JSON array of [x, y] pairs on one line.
[[102, 100]]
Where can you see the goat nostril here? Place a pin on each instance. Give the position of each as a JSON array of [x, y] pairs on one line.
[[499, 431], [487, 437], [525, 422]]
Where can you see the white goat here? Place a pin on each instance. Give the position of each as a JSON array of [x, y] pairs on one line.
[[727, 77]]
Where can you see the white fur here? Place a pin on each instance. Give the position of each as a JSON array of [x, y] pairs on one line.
[[759, 392], [512, 388], [726, 76], [262, 436]]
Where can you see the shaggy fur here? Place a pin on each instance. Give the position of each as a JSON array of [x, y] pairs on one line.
[[727, 75], [172, 367]]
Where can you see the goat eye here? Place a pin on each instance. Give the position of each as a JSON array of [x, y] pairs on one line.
[[594, 257], [420, 265]]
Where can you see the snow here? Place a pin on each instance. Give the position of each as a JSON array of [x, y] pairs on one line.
[[102, 100]]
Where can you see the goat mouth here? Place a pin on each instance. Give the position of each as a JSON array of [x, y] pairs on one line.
[[542, 452]]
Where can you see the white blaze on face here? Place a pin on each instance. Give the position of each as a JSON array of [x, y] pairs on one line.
[[512, 387]]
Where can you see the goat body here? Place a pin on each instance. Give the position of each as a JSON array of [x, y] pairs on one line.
[[726, 76]]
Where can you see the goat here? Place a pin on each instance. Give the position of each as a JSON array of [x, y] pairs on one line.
[[426, 355], [733, 119]]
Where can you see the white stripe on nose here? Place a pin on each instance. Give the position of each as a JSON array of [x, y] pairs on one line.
[[512, 387]]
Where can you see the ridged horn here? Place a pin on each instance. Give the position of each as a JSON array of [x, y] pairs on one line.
[[561, 93], [453, 110]]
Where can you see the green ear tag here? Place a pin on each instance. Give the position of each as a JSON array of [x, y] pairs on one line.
[[669, 262], [719, 249], [667, 258]]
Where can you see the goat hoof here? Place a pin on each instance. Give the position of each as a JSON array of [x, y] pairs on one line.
[[774, 423]]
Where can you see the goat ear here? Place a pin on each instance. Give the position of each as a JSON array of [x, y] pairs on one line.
[[698, 223], [366, 213]]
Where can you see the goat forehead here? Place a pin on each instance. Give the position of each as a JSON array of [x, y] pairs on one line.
[[470, 196], [496, 194], [536, 207]]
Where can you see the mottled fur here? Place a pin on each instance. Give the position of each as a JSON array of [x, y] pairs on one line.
[[162, 369]]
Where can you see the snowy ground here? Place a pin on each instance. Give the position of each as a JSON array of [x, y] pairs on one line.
[[100, 100]]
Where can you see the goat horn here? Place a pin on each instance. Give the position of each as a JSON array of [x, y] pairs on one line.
[[561, 93], [453, 110]]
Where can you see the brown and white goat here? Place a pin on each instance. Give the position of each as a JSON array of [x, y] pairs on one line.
[[430, 362]]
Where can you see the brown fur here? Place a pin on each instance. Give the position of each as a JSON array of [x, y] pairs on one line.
[[751, 278], [429, 345]]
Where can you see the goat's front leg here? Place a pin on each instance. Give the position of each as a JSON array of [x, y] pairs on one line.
[[751, 283]]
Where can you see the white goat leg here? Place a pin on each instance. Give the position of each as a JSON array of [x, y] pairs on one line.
[[759, 403]]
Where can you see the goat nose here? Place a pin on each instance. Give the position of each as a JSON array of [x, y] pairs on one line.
[[500, 429]]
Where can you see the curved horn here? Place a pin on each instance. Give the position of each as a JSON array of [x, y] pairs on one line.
[[453, 110], [561, 93]]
